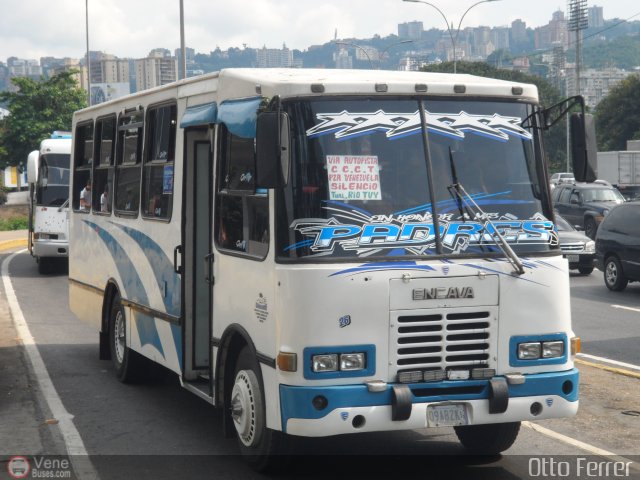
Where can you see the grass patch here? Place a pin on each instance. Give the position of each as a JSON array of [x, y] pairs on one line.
[[13, 223]]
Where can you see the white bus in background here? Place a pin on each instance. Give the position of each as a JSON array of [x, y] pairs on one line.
[[325, 252], [48, 178]]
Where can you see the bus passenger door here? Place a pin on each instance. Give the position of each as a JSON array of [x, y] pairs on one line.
[[198, 259]]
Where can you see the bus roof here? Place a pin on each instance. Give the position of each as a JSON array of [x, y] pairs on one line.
[[294, 82], [60, 134], [55, 145]]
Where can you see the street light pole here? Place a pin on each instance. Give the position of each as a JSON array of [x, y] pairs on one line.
[[454, 39], [381, 55], [361, 48], [86, 8]]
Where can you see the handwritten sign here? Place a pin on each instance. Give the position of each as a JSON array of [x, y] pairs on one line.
[[353, 177]]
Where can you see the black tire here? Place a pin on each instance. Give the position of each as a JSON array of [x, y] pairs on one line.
[[130, 367], [590, 228], [585, 270], [44, 265], [614, 277], [262, 448], [490, 439]]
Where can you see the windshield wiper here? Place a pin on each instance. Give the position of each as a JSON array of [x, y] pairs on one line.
[[64, 205], [454, 192], [496, 236]]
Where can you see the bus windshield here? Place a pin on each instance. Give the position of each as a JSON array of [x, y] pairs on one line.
[[52, 189], [363, 185]]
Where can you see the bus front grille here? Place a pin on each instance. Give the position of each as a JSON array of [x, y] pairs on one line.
[[443, 339]]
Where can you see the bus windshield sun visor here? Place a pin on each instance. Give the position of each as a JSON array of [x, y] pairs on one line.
[[240, 116], [199, 115]]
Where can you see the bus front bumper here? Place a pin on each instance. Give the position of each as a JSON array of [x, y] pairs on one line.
[[353, 408], [50, 248]]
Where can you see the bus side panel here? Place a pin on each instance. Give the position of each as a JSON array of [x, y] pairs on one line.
[[112, 250], [245, 295], [155, 339], [86, 304]]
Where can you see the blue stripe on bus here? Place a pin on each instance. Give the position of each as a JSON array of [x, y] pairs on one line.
[[131, 285], [163, 269], [297, 402]]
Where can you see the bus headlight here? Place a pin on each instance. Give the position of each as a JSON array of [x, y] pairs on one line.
[[536, 350], [352, 361], [340, 361], [325, 363], [529, 350], [552, 349]]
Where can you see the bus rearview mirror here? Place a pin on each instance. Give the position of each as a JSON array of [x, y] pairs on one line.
[[272, 150], [584, 149]]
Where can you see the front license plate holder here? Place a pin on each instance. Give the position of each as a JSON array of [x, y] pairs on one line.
[[450, 415], [573, 258]]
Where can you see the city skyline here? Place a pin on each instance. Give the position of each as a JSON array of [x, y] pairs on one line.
[[115, 26]]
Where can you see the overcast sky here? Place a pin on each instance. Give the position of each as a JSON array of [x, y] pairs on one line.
[[131, 28]]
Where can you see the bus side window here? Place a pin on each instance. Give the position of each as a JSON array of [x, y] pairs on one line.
[[242, 213], [157, 172], [103, 170], [83, 162], [128, 163]]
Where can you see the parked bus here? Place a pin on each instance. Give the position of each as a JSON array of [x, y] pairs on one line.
[[323, 252], [48, 178]]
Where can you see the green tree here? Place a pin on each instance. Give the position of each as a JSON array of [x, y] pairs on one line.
[[618, 115], [556, 138], [37, 109]]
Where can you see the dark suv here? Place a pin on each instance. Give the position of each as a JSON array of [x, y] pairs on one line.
[[618, 246], [585, 204]]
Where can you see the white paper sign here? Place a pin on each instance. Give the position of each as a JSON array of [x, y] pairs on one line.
[[353, 177]]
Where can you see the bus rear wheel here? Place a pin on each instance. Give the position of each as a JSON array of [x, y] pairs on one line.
[[262, 448], [489, 439], [44, 265], [128, 364]]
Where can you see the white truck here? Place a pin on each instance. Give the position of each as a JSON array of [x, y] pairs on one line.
[[48, 178], [622, 169]]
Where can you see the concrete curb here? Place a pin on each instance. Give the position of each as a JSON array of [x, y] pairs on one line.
[[9, 244]]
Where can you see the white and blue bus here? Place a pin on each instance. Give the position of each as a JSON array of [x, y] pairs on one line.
[[323, 252], [48, 178]]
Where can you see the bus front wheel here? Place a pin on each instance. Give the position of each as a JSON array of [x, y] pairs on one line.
[[489, 439], [262, 448], [128, 364]]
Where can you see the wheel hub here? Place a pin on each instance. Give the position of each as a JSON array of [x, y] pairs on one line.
[[119, 336], [611, 273], [243, 408]]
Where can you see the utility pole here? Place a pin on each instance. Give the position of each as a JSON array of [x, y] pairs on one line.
[[578, 21], [183, 49]]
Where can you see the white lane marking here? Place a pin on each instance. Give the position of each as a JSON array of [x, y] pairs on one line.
[[622, 307], [569, 440], [75, 446], [609, 360], [577, 443]]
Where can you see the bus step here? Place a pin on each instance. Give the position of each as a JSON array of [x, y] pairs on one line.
[[200, 387]]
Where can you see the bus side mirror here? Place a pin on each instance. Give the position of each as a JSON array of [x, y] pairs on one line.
[[32, 167], [272, 150], [584, 150]]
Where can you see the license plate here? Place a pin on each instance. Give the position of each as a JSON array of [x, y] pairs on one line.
[[573, 258], [447, 415]]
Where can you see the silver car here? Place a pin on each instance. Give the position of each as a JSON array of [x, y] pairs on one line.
[[576, 247]]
